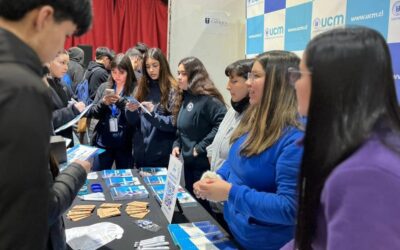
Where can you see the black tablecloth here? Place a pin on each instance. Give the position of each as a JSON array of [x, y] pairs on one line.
[[132, 232]]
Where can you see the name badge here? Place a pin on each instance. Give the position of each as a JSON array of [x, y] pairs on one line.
[[113, 125]]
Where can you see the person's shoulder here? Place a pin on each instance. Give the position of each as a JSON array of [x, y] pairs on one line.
[[17, 77], [373, 157]]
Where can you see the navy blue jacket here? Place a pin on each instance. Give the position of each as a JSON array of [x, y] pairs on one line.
[[155, 134]]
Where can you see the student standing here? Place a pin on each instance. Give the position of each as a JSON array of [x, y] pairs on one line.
[[31, 33], [112, 132], [154, 132], [202, 109]]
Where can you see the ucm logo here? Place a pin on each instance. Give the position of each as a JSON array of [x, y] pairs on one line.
[[275, 31], [329, 21], [396, 8]]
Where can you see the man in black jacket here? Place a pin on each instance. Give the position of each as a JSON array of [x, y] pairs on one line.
[[97, 71], [31, 33]]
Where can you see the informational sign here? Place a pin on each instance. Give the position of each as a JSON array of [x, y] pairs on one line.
[[171, 187]]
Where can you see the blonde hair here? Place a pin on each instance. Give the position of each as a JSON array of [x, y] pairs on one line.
[[264, 123]]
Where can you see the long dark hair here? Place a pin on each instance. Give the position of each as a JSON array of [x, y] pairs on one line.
[[165, 80], [352, 93], [122, 62], [199, 81]]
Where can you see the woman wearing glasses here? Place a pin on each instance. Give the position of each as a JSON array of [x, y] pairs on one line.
[[350, 173], [258, 180]]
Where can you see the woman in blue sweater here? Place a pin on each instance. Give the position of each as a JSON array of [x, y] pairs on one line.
[[154, 132], [258, 180]]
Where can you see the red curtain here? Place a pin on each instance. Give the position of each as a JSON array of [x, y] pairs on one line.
[[120, 24]]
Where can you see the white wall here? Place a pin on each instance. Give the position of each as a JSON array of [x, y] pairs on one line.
[[216, 44]]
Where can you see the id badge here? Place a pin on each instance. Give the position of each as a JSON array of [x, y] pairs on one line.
[[113, 125]]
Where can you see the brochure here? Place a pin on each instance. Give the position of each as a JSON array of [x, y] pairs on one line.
[[199, 235], [155, 180], [73, 121], [82, 152], [128, 192], [116, 173], [122, 181], [150, 171]]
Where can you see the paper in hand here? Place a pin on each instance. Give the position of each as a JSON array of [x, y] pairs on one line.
[[135, 101]]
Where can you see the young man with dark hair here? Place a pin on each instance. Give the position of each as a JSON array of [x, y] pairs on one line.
[[31, 33], [97, 72], [136, 58]]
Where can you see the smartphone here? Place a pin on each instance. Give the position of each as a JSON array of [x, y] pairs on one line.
[[132, 99], [109, 92]]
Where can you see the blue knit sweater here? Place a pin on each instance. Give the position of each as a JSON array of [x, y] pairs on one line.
[[261, 206]]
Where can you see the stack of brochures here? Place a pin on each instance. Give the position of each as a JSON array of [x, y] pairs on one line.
[[121, 181], [116, 173], [155, 180], [129, 192], [184, 198], [123, 185], [199, 235], [149, 171]]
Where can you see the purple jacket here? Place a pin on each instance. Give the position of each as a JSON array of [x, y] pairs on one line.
[[360, 202]]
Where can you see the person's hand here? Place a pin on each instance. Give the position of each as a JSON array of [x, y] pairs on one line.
[[176, 152], [85, 164], [149, 106], [80, 106], [212, 189], [195, 154], [132, 106], [110, 99]]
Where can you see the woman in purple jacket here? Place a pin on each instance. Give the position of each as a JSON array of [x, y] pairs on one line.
[[350, 174]]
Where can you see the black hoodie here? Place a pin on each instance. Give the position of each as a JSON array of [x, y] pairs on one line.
[[96, 75]]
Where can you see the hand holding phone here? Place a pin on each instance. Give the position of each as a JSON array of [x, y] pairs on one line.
[[109, 92]]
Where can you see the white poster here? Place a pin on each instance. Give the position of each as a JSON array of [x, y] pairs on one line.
[[171, 187]]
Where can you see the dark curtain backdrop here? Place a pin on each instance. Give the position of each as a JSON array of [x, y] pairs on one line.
[[120, 24]]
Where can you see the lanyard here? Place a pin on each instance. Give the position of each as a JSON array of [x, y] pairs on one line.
[[114, 108]]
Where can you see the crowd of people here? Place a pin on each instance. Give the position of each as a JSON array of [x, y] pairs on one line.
[[305, 155]]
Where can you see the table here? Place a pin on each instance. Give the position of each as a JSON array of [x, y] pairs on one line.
[[132, 232]]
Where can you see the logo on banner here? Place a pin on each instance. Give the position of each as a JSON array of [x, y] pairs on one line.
[[274, 32], [216, 21], [328, 22], [396, 8], [396, 11]]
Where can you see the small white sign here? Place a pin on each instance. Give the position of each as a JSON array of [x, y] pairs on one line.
[[171, 187]]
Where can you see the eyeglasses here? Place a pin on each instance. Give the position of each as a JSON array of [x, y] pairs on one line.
[[294, 74], [251, 77]]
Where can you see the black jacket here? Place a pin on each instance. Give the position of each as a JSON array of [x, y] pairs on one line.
[[25, 111], [63, 190], [198, 122], [155, 134], [102, 137], [62, 111], [96, 75]]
